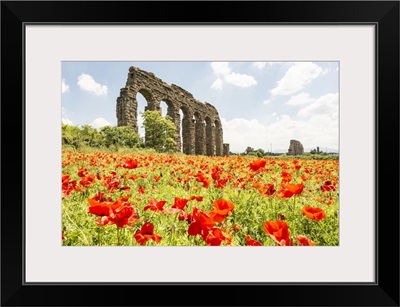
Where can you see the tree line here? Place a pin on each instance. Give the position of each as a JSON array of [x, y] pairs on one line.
[[160, 135]]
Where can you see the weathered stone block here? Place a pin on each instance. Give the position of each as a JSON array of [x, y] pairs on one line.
[[295, 148]]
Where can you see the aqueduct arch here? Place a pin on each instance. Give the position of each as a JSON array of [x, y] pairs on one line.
[[201, 126]]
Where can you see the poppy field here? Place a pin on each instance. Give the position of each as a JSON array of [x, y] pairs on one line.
[[157, 199]]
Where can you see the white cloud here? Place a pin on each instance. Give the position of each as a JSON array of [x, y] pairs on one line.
[[300, 99], [225, 75], [296, 77], [66, 121], [217, 84], [64, 87], [259, 65], [88, 84], [267, 101], [64, 118], [240, 133], [99, 122], [319, 130], [240, 80], [324, 105], [221, 68]]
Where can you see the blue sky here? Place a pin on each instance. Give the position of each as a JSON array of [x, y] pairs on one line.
[[261, 104]]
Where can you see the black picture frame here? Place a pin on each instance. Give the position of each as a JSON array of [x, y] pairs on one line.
[[383, 14]]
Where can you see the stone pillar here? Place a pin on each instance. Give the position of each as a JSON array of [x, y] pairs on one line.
[[218, 140], [192, 137], [210, 139], [176, 118], [127, 109], [226, 149], [188, 135], [200, 144]]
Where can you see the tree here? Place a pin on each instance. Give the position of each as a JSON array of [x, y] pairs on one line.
[[160, 131], [120, 136], [71, 136], [91, 137], [249, 150], [260, 152]]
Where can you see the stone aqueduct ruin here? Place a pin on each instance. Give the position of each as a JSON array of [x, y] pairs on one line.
[[201, 126]]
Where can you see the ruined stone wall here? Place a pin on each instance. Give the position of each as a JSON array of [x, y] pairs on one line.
[[226, 149], [295, 148], [201, 126]]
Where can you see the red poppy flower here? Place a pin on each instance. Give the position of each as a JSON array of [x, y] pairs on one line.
[[201, 223], [69, 185], [87, 180], [214, 237], [314, 213], [222, 208], [130, 164], [267, 189], [101, 198], [111, 182], [284, 193], [304, 241], [288, 190], [328, 186], [141, 190], [198, 198], [82, 171], [203, 179], [120, 212], [257, 164], [286, 177], [251, 242], [184, 216], [102, 221], [133, 177], [220, 183], [279, 231], [155, 205], [123, 214], [99, 208], [146, 233], [178, 206], [294, 188]]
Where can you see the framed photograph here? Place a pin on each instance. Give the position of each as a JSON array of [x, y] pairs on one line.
[[246, 157]]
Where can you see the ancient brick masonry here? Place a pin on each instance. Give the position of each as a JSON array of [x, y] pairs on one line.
[[295, 148], [201, 126]]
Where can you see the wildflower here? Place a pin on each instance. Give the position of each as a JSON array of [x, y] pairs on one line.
[[251, 242], [314, 213], [279, 231], [146, 233]]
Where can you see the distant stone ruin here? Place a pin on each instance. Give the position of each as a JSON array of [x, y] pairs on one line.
[[201, 126], [295, 148]]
